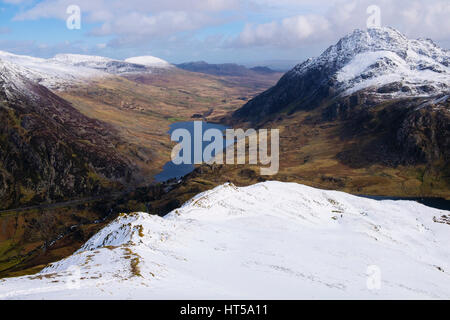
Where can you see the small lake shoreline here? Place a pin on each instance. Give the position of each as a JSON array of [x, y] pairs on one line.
[[172, 171]]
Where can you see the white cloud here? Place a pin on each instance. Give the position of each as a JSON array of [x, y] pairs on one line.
[[134, 20], [287, 32], [414, 18], [161, 24], [14, 1], [291, 23], [106, 10]]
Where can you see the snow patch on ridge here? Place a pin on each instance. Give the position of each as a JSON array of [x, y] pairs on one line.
[[149, 61], [67, 69], [73, 59], [49, 72]]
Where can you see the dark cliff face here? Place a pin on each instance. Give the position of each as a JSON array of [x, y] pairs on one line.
[[399, 132], [292, 93], [49, 151], [425, 134]]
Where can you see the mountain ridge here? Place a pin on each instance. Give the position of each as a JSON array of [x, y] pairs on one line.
[[382, 71], [65, 70], [258, 241], [224, 69]]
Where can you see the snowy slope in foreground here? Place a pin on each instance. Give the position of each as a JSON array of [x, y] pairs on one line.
[[269, 240]]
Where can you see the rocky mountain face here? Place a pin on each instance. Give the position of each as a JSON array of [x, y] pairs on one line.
[[398, 132], [50, 151], [381, 84], [380, 61]]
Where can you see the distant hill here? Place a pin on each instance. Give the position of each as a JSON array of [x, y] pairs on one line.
[[224, 69], [265, 70]]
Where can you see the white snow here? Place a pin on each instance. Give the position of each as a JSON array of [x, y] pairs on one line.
[[392, 69], [73, 59], [267, 241], [110, 66], [376, 57], [64, 70], [49, 72], [362, 61], [149, 61]]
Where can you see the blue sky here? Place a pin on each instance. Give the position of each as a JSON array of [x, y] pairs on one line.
[[243, 31]]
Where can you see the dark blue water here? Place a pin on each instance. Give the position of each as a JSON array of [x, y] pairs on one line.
[[438, 203], [171, 170]]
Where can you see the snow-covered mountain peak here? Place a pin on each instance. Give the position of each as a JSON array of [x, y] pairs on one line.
[[50, 73], [104, 64], [149, 61], [378, 57], [67, 69], [267, 241], [360, 41], [12, 79]]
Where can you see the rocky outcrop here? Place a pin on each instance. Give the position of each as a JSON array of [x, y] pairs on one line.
[[49, 151], [424, 134], [400, 132]]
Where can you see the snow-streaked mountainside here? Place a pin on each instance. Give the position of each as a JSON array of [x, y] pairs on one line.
[[149, 61], [266, 241], [377, 57], [100, 63], [47, 72], [67, 69], [12, 78]]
